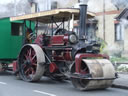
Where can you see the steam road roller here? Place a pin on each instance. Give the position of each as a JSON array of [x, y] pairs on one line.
[[62, 54]]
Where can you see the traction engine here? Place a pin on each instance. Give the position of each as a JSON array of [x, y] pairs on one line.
[[67, 55]]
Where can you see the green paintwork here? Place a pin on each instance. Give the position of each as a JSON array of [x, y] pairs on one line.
[[9, 45]]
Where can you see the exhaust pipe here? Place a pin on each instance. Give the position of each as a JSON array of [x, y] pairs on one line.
[[82, 22]]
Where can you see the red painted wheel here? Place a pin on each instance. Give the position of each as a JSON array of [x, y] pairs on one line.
[[78, 82], [31, 62]]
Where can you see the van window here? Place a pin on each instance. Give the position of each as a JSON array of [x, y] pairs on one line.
[[16, 29]]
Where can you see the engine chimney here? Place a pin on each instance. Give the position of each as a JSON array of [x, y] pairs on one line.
[[82, 22]]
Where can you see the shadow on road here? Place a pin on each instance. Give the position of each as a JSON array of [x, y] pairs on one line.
[[4, 73], [46, 80]]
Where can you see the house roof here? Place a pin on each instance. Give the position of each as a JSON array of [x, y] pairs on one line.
[[123, 14], [45, 16]]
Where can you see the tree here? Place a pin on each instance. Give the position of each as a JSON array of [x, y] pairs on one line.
[[120, 4]]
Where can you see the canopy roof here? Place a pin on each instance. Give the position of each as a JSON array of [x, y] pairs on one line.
[[58, 14]]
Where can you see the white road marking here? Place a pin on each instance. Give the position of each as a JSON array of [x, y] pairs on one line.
[[3, 83], [41, 92]]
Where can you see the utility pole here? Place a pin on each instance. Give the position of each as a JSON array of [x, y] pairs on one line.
[[104, 27]]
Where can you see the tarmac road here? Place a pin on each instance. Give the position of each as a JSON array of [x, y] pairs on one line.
[[10, 86]]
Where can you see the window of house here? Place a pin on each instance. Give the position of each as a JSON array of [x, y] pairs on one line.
[[16, 29], [91, 31], [90, 28], [118, 32]]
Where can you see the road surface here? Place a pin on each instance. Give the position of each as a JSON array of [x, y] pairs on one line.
[[10, 86]]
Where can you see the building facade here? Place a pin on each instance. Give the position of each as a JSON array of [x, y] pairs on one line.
[[106, 27], [110, 30]]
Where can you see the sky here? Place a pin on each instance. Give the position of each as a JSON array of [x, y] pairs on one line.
[[6, 1], [8, 6]]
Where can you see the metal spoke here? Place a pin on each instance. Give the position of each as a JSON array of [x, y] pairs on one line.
[[27, 71], [33, 57], [23, 66], [30, 52]]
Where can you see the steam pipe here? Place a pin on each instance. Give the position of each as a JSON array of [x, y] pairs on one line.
[[82, 22]]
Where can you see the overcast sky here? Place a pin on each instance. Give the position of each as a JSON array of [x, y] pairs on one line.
[[6, 1], [18, 7]]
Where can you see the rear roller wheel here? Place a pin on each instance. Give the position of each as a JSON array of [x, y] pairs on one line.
[[94, 74], [31, 62]]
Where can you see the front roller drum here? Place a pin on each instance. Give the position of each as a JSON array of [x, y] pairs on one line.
[[31, 62], [95, 74]]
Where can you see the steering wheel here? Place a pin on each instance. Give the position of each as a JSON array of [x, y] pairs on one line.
[[60, 31]]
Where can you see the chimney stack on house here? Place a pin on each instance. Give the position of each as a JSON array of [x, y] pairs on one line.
[[33, 4]]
